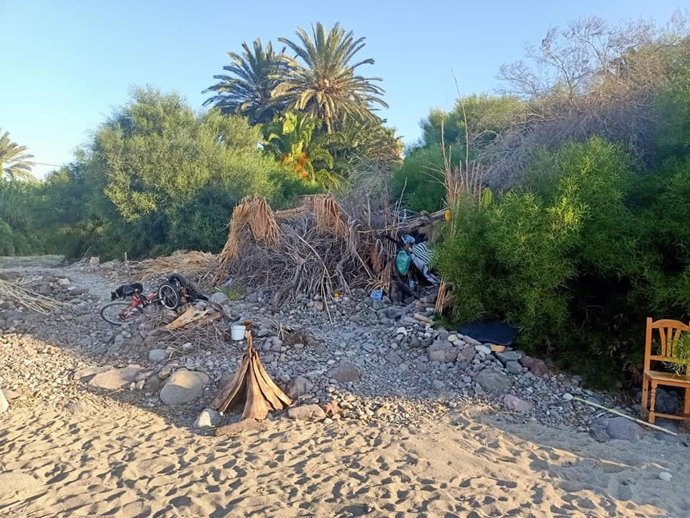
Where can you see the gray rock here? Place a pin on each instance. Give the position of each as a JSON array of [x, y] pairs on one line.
[[4, 405], [568, 396], [183, 386], [319, 305], [157, 355], [115, 379], [539, 368], [470, 340], [666, 476], [299, 386], [219, 298], [494, 382], [483, 349], [344, 373], [516, 404], [437, 384], [597, 429], [94, 261], [508, 356], [264, 332], [513, 367], [466, 354], [393, 312], [666, 402], [208, 418], [442, 351], [623, 429], [306, 413], [393, 358]]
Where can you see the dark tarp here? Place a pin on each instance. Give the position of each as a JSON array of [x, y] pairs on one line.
[[489, 331]]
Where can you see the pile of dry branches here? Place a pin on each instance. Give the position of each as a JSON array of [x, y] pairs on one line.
[[15, 292], [314, 249], [197, 266]]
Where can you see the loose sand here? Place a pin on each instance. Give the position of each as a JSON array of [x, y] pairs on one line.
[[100, 457]]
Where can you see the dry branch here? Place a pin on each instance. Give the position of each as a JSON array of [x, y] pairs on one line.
[[14, 292]]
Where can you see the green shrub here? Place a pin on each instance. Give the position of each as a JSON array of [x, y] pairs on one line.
[[419, 180], [556, 258]]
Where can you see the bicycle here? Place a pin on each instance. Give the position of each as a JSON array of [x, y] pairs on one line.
[[116, 313]]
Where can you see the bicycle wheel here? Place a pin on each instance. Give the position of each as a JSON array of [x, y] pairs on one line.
[[116, 313], [168, 296]]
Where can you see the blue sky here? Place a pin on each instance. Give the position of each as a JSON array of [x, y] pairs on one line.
[[65, 65]]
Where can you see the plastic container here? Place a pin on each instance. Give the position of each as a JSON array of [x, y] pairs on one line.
[[237, 331]]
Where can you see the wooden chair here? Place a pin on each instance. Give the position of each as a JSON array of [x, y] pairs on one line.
[[669, 332]]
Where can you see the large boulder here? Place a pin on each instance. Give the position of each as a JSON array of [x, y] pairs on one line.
[[344, 373], [535, 366], [299, 386], [623, 429], [494, 382], [604, 428], [442, 351], [306, 412], [114, 379], [516, 404], [183, 386]]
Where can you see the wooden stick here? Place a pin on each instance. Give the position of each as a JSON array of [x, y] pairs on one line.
[[611, 410]]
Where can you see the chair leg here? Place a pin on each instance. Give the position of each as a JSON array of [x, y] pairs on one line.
[[686, 406], [652, 402], [645, 397]]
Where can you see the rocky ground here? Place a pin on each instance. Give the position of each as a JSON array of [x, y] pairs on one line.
[[377, 360], [383, 364]]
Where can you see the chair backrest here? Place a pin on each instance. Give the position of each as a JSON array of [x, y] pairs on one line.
[[669, 333]]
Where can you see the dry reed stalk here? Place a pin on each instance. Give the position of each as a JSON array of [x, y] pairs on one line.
[[14, 292], [256, 215], [329, 216]]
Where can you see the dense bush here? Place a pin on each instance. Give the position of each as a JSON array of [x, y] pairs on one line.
[[556, 258], [419, 180]]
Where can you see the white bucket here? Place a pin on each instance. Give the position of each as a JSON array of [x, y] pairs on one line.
[[237, 331]]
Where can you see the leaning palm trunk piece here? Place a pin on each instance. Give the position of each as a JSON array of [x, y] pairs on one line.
[[251, 382]]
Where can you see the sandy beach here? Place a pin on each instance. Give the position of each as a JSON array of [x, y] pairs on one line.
[[101, 458]]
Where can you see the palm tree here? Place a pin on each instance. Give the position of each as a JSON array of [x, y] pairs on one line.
[[324, 84], [247, 87], [15, 162], [295, 141]]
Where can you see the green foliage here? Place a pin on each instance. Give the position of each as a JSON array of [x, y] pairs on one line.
[[486, 117], [294, 140], [17, 218], [157, 178], [322, 80], [247, 87], [554, 257], [15, 161], [419, 180]]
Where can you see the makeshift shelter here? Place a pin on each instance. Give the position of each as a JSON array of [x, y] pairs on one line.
[[252, 384]]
